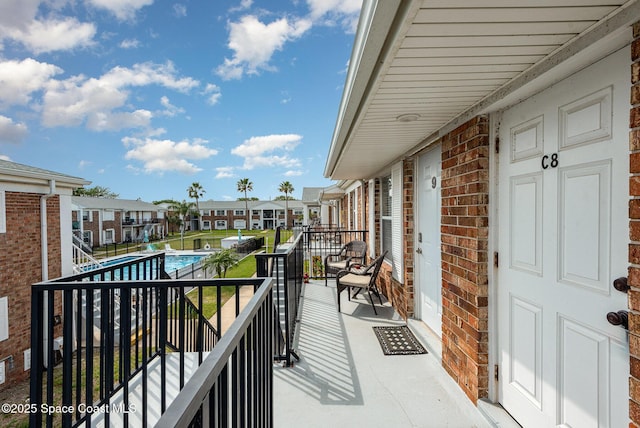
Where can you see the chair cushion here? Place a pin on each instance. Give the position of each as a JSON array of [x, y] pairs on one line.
[[352, 280], [338, 265]]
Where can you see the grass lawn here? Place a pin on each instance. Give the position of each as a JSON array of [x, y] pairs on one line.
[[211, 237], [245, 268]]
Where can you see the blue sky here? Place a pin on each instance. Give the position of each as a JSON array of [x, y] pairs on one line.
[[147, 96]]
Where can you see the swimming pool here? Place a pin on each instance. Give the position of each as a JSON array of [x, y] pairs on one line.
[[171, 262], [175, 262]]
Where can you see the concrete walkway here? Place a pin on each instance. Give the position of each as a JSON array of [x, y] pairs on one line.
[[344, 380], [229, 308]]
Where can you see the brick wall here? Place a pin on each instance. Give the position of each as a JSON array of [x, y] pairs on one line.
[[465, 198], [20, 266], [634, 231]]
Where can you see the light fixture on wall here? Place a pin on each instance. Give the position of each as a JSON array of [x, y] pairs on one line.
[[408, 117]]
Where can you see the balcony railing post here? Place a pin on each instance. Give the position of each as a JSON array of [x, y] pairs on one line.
[[37, 361], [162, 345]]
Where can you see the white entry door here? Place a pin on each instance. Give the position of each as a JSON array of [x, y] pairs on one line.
[[563, 232], [427, 240]]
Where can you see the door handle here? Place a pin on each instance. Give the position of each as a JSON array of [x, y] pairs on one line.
[[621, 285], [419, 250], [619, 318]]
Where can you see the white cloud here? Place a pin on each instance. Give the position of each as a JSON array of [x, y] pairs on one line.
[[224, 172], [258, 151], [180, 10], [169, 109], [147, 73], [130, 44], [79, 99], [293, 173], [332, 12], [256, 146], [271, 161], [166, 155], [122, 9], [114, 121], [11, 132], [53, 35], [5, 157], [213, 92], [244, 5], [19, 22], [20, 79], [254, 43], [17, 13], [84, 164]]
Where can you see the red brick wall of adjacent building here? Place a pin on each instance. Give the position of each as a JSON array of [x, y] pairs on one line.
[[465, 261], [634, 232], [20, 267]]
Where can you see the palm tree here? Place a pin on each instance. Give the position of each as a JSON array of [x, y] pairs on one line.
[[196, 191], [244, 185], [286, 188], [220, 262], [182, 209]]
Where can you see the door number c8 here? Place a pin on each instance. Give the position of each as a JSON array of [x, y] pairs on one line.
[[550, 161]]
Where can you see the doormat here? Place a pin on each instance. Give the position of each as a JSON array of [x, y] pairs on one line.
[[398, 341]]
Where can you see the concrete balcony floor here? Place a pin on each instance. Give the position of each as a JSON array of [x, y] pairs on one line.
[[343, 379]]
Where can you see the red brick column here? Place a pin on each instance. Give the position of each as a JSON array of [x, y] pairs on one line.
[[465, 198], [634, 232]]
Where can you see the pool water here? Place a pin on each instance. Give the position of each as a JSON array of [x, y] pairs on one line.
[[172, 263]]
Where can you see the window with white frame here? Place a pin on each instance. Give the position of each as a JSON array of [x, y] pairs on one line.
[[108, 216], [87, 215], [206, 212], [238, 212], [109, 236], [221, 224], [386, 221], [391, 220], [256, 212], [206, 225], [3, 213], [221, 212], [239, 224]]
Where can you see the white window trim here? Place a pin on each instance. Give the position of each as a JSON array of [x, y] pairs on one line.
[[4, 317], [396, 224], [3, 212], [113, 235], [108, 215]]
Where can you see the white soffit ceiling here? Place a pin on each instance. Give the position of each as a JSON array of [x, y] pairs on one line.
[[446, 57]]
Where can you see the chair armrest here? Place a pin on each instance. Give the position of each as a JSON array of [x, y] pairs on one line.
[[342, 273]]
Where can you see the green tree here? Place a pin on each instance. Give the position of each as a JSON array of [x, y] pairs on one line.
[[196, 191], [182, 209], [220, 262], [245, 185], [95, 192], [286, 188]]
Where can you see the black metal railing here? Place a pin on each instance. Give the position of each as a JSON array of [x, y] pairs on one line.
[[100, 337], [234, 385], [286, 267], [319, 241]]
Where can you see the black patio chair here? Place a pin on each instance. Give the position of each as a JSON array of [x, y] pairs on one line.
[[353, 252], [361, 279]]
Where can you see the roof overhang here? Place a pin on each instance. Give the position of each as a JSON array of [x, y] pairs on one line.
[[22, 175], [420, 68]]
